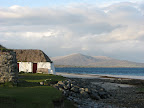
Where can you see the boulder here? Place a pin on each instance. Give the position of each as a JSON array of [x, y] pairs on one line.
[[95, 96], [103, 95], [60, 82], [87, 90], [81, 89], [42, 83], [75, 89], [84, 94]]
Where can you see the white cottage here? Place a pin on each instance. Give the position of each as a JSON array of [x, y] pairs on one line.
[[35, 61]]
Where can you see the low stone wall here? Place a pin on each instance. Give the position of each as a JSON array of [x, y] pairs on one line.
[[8, 67], [42, 70]]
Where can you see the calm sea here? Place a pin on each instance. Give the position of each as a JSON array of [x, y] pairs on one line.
[[106, 71]]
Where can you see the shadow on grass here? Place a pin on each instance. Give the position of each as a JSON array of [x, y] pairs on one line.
[[7, 102], [23, 83]]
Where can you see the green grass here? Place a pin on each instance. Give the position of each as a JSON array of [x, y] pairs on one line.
[[40, 77], [30, 97], [30, 94]]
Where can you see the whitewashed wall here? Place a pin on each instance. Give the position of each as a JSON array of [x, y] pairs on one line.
[[52, 68], [25, 66], [47, 65]]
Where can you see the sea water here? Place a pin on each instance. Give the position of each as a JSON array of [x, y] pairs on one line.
[[122, 72]]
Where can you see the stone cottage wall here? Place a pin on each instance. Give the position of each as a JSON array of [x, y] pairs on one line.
[[8, 67]]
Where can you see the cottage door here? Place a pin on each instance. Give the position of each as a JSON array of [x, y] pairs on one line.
[[34, 67], [18, 66]]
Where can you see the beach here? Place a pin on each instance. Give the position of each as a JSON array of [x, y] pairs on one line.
[[91, 76], [127, 92]]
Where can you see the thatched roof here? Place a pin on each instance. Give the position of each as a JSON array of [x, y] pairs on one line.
[[31, 56]]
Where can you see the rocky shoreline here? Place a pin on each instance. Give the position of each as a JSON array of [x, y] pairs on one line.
[[103, 93], [82, 92]]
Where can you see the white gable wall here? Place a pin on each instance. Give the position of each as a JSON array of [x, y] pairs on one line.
[[25, 66], [52, 68], [47, 65]]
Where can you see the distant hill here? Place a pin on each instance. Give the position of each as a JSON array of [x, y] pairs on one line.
[[81, 60]]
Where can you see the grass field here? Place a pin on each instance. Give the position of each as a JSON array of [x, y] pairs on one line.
[[39, 77], [30, 94]]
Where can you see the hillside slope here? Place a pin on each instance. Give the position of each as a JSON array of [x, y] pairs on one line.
[[95, 61]]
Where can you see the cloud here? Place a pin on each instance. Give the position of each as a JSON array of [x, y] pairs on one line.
[[112, 29]]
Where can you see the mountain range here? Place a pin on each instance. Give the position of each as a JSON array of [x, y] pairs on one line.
[[80, 60]]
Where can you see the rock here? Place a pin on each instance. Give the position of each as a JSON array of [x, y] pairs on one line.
[[66, 93], [74, 82], [81, 89], [78, 101], [87, 90], [61, 89], [73, 94], [66, 87], [60, 86], [95, 96], [65, 82], [71, 85], [42, 83], [9, 57], [75, 89], [103, 95], [84, 94], [61, 82]]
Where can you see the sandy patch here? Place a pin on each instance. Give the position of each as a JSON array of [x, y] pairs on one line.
[[92, 76], [71, 75]]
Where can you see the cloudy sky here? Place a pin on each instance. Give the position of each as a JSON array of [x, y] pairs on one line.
[[113, 28]]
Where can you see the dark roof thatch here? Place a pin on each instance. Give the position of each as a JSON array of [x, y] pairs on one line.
[[31, 56]]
